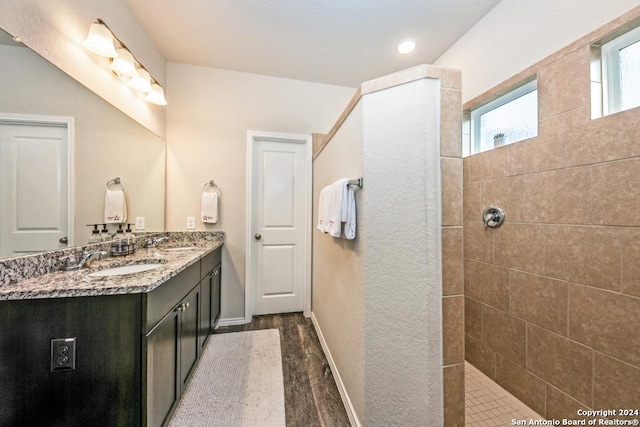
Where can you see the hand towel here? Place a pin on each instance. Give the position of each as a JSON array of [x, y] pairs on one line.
[[115, 207], [209, 207], [350, 210], [323, 209]]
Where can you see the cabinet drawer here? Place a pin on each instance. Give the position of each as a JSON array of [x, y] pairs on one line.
[[157, 303], [209, 262]]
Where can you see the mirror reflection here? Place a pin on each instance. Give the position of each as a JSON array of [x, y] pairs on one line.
[[60, 144]]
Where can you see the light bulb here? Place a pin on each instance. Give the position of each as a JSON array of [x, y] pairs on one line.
[[406, 46], [156, 95], [124, 64], [141, 81], [100, 41]]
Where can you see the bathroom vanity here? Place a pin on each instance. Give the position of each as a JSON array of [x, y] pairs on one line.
[[126, 345]]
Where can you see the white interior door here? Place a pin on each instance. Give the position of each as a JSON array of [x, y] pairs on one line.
[[280, 217], [34, 188]]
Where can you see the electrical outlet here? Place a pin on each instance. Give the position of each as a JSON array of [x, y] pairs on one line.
[[63, 354], [191, 223], [139, 223]]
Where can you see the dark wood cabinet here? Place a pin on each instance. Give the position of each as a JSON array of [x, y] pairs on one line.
[[134, 353], [216, 294]]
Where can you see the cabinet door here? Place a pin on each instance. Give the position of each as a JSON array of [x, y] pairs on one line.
[[189, 343], [162, 389], [216, 293], [205, 309]]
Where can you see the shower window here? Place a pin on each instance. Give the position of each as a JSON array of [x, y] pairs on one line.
[[621, 72], [510, 118]]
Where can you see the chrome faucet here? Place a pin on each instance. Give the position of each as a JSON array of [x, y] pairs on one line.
[[152, 243], [68, 263]]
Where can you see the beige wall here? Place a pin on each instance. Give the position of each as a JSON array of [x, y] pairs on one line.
[[56, 29], [107, 142], [210, 112], [518, 33], [338, 265], [552, 296]]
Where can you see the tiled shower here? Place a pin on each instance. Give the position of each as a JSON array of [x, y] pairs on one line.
[[552, 297]]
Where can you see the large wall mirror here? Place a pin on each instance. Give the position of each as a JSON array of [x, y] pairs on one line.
[[70, 135]]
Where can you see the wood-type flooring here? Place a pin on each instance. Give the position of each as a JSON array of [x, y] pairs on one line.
[[311, 396]]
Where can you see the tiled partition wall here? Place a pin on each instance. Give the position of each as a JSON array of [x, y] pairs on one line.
[[552, 298]]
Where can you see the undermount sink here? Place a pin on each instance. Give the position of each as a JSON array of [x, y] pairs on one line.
[[182, 248], [125, 269]]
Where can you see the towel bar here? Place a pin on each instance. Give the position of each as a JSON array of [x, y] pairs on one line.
[[211, 184], [115, 181], [357, 182]]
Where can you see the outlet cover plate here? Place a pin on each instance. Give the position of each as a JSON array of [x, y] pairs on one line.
[[191, 223], [63, 354], [139, 223]]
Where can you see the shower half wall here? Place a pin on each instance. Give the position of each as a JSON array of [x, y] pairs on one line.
[[388, 306]]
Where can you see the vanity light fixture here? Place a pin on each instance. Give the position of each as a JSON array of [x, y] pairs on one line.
[[156, 95], [141, 81], [123, 64], [406, 46], [100, 40]]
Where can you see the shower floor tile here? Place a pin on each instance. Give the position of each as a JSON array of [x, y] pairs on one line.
[[487, 404]]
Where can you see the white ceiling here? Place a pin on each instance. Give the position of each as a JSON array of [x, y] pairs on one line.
[[341, 42]]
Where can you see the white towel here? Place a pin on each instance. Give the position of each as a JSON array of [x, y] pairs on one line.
[[115, 207], [337, 205], [350, 210], [209, 207], [323, 209]]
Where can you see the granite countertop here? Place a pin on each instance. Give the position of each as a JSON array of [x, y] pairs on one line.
[[61, 284]]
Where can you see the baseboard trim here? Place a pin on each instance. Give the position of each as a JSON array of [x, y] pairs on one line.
[[233, 321], [348, 406]]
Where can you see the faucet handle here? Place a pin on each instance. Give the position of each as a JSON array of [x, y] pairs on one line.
[[67, 261]]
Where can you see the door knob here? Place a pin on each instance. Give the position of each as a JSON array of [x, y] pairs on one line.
[[64, 240], [258, 236]]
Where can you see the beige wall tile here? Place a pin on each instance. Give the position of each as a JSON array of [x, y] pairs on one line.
[[561, 362], [489, 284], [467, 277], [451, 191], [473, 318], [454, 396], [564, 85], [561, 406], [504, 334], [559, 197], [508, 193], [631, 262], [608, 138], [453, 330], [539, 300], [472, 201], [465, 169], [540, 153], [478, 241], [583, 254], [615, 193], [480, 356], [517, 381], [605, 321], [452, 262], [490, 164], [450, 120], [616, 384], [520, 246]]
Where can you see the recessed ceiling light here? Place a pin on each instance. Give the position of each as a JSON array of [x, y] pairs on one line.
[[406, 46]]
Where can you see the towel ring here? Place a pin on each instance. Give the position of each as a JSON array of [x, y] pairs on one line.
[[211, 184], [115, 181]]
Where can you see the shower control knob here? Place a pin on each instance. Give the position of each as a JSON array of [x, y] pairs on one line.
[[493, 216]]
